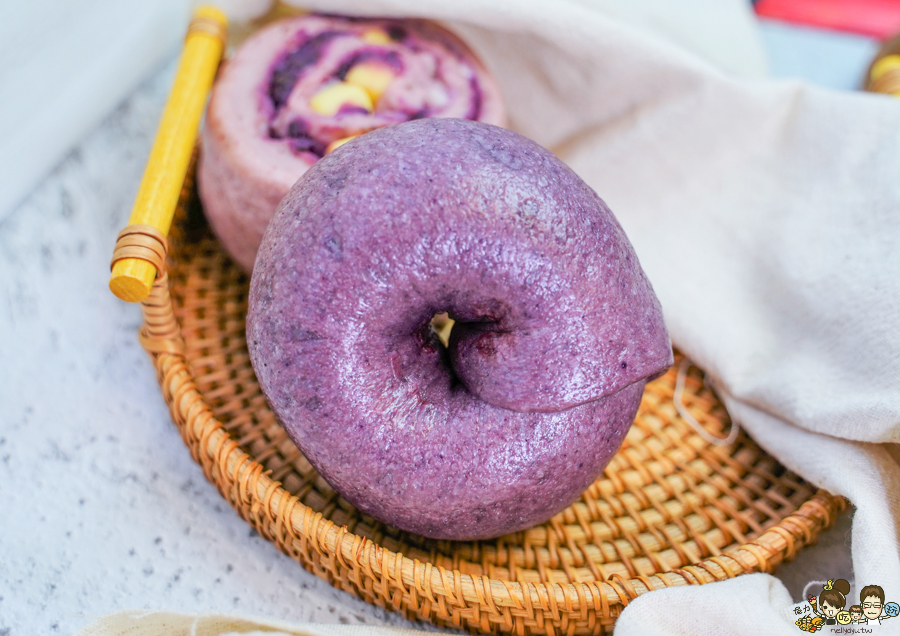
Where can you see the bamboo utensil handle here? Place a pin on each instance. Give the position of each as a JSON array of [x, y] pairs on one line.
[[136, 260]]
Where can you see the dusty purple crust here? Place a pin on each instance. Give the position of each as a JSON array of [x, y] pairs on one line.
[[557, 327]]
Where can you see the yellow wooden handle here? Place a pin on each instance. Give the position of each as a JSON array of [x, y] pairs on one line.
[[154, 206]]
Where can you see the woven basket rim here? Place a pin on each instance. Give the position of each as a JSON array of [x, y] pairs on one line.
[[324, 547]]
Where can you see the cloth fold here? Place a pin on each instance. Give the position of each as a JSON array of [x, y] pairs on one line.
[[745, 606]]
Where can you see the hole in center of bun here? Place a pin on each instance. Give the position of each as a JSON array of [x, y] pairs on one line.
[[441, 325]]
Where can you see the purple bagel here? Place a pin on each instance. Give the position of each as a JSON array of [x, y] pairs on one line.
[[557, 328], [261, 131]]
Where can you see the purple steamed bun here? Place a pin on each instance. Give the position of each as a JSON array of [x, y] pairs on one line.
[[557, 328]]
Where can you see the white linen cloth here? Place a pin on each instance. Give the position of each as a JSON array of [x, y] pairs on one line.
[[765, 214]]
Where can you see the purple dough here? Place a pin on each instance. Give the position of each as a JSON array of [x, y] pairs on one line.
[[557, 330]]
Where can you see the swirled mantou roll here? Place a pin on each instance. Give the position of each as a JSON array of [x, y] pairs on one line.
[[300, 86], [557, 328]]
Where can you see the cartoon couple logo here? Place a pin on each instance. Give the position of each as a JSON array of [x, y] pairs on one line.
[[829, 607]]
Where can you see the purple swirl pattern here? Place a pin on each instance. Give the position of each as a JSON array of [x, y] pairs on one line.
[[262, 131]]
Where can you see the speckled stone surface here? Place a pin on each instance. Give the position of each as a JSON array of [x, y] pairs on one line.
[[103, 508]]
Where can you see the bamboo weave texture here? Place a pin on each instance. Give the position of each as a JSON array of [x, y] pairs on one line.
[[670, 509]]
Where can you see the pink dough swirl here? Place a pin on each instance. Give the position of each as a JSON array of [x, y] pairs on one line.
[[263, 132]]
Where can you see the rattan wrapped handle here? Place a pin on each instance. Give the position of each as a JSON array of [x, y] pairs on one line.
[[136, 265]]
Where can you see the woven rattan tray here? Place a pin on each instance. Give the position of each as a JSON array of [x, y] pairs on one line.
[[671, 509]]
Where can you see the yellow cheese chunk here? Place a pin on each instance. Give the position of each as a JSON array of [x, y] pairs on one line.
[[337, 143], [330, 99], [442, 325], [372, 76], [376, 36]]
